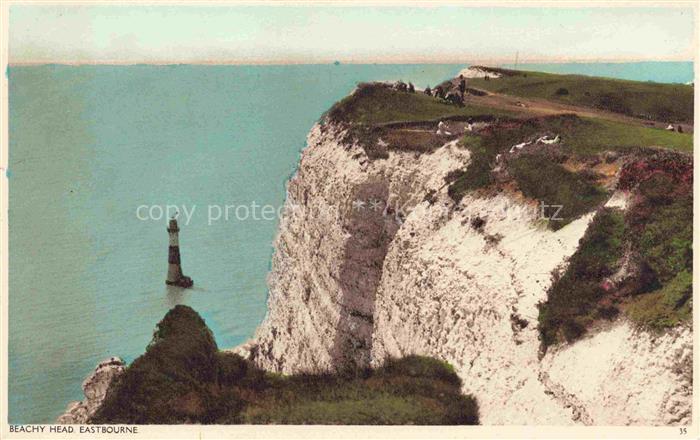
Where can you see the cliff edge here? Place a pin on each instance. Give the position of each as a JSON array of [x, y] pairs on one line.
[[388, 248]]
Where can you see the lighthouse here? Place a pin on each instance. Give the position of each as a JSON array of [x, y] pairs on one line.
[[175, 276]]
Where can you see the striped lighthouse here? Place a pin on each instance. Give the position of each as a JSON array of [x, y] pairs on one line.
[[175, 276]]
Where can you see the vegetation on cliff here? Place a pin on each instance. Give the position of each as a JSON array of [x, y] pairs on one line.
[[542, 173], [581, 137], [183, 378], [638, 262], [380, 118], [648, 100], [374, 104], [565, 195], [573, 300], [661, 226]]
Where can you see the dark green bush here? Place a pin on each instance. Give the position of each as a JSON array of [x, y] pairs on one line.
[[182, 378], [232, 368], [170, 382]]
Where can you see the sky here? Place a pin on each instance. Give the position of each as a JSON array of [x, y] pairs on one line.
[[306, 34]]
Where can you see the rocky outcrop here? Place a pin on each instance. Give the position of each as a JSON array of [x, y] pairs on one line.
[[479, 72], [374, 260], [95, 389]]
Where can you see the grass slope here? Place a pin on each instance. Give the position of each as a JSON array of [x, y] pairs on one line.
[[573, 300], [376, 104], [648, 100], [372, 107], [183, 378], [568, 194], [655, 237], [541, 178]]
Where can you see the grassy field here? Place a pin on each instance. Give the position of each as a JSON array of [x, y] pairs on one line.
[[585, 136], [183, 378], [374, 104], [648, 100]]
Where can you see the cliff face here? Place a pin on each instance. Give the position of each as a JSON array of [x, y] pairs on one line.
[[95, 389], [373, 260]]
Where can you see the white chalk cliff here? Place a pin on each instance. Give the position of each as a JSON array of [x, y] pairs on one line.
[[374, 260]]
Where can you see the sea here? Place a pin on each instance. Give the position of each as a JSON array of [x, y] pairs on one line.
[[101, 156]]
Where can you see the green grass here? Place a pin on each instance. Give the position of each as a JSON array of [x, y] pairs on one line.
[[662, 226], [581, 137], [372, 410], [478, 173], [590, 136], [656, 101], [666, 239], [655, 234], [376, 104], [412, 390], [183, 378], [665, 307], [567, 195], [484, 148], [368, 111], [573, 300]]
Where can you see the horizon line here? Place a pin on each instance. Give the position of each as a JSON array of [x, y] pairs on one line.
[[281, 62]]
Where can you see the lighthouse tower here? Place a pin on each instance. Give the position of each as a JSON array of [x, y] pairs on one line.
[[175, 276]]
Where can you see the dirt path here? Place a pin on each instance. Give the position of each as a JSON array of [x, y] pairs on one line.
[[540, 106]]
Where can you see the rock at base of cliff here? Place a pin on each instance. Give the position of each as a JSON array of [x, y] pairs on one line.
[[95, 389]]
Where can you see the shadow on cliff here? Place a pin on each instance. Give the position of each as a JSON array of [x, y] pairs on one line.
[[371, 226]]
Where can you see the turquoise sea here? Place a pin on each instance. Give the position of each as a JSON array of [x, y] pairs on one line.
[[90, 144]]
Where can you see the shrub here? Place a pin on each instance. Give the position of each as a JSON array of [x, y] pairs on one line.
[[182, 378], [657, 234], [661, 222], [562, 91], [168, 383], [477, 223], [666, 243]]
